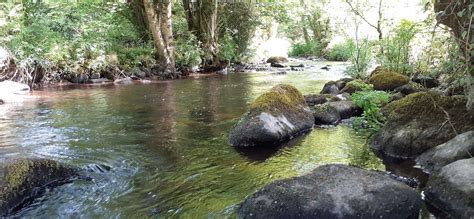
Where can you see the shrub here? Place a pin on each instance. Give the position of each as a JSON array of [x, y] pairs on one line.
[[305, 49], [396, 48], [341, 51], [361, 55], [370, 102]]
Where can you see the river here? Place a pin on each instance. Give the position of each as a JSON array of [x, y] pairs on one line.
[[160, 149]]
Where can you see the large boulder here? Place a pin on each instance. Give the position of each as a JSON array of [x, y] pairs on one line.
[[451, 190], [324, 114], [274, 117], [24, 179], [277, 59], [460, 147], [334, 191], [388, 80], [421, 121]]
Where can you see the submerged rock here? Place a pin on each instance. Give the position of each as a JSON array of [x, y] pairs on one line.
[[421, 121], [126, 80], [451, 190], [24, 179], [274, 117], [388, 80], [334, 191], [460, 147]]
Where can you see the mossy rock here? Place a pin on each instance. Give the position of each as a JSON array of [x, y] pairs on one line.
[[421, 121], [356, 85], [24, 179], [388, 80], [274, 117], [277, 59], [325, 114]]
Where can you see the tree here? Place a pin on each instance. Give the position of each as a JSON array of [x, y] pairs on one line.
[[459, 16], [157, 16], [202, 22], [378, 26]]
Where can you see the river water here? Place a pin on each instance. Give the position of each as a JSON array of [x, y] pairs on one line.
[[160, 149]]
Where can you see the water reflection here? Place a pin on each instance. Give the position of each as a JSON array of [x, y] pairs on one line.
[[166, 146]]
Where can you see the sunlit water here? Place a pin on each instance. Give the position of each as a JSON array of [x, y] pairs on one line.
[[166, 144]]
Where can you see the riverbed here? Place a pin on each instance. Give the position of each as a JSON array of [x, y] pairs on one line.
[[160, 149]]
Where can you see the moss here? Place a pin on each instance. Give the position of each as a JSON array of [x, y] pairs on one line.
[[281, 96], [388, 80], [356, 85], [19, 172], [429, 105]]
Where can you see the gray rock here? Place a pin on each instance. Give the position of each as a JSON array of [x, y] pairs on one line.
[[419, 122], [451, 190], [274, 117], [407, 89], [341, 83], [2, 102], [25, 179], [316, 99], [346, 109], [125, 81], [460, 147], [100, 80], [325, 114], [334, 191], [426, 82], [277, 65], [330, 88], [13, 88], [277, 59]]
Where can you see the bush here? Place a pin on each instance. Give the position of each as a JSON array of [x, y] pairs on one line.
[[305, 49], [341, 51], [361, 55], [370, 102], [79, 38], [396, 48], [187, 51]]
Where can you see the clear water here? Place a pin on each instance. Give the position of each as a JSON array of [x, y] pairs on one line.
[[166, 144]]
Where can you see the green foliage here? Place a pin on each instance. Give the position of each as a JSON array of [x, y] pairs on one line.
[[396, 48], [341, 51], [187, 51], [78, 37], [370, 102], [237, 24], [311, 27], [228, 49], [305, 49], [361, 55]]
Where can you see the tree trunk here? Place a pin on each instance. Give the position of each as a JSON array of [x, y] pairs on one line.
[[202, 21], [159, 23], [458, 15]]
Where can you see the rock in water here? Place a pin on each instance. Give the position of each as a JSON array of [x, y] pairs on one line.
[[346, 109], [419, 122], [330, 88], [24, 179], [460, 147], [274, 117], [277, 59], [324, 114], [388, 80], [451, 190], [334, 191]]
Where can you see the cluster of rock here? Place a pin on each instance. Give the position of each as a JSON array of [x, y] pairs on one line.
[[435, 130]]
